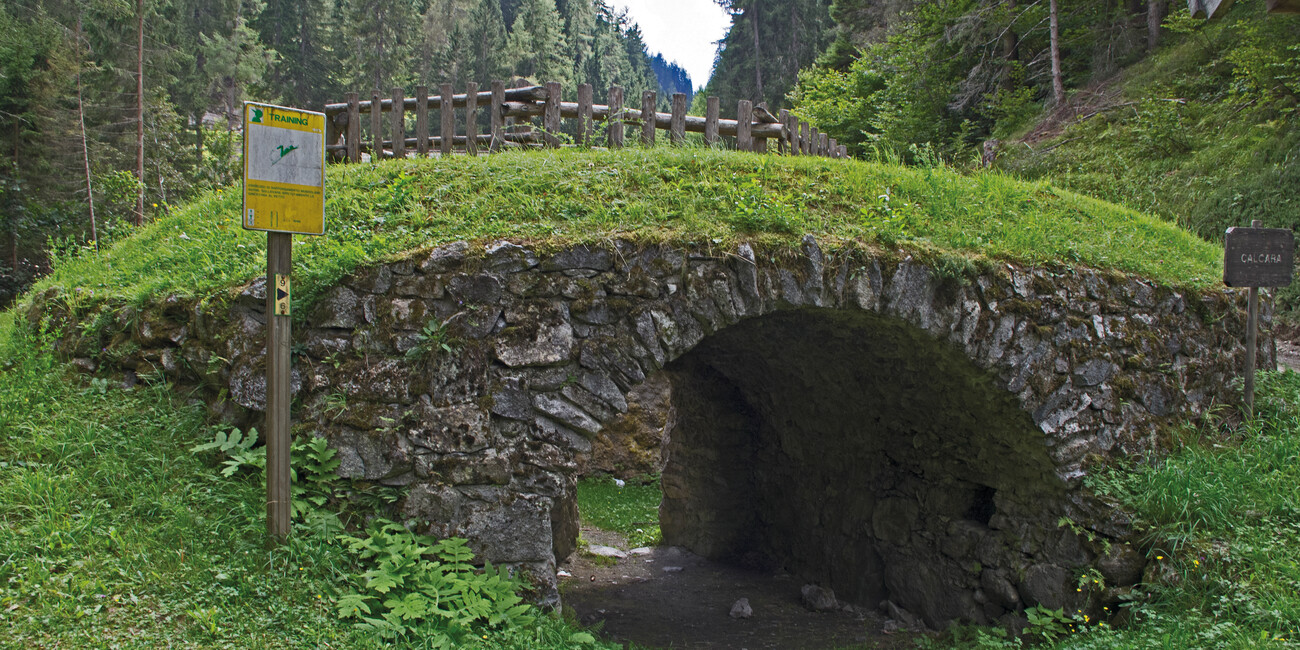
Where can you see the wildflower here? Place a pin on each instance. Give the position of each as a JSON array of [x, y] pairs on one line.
[[1160, 557], [1196, 562]]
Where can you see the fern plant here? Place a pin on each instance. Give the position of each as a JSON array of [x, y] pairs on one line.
[[238, 449], [313, 474], [416, 582]]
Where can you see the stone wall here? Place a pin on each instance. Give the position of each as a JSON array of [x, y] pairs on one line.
[[857, 417]]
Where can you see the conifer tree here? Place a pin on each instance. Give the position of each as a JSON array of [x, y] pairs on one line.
[[538, 45]]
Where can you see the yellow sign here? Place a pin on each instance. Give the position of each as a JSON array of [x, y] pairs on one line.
[[281, 295], [284, 169]]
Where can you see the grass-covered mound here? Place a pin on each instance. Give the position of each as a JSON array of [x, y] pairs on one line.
[[687, 195]]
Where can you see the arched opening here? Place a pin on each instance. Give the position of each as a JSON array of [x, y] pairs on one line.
[[860, 453], [857, 452]]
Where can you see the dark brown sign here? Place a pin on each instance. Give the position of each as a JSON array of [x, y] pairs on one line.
[[1258, 257]]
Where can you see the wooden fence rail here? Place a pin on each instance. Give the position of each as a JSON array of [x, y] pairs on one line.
[[510, 119]]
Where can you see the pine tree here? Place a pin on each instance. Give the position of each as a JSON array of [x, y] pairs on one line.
[[538, 44], [380, 38], [299, 33], [580, 28], [485, 39]]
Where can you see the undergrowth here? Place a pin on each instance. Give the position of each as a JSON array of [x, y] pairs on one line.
[[127, 521]]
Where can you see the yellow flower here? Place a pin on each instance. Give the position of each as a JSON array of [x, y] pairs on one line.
[[1196, 562], [1160, 557]]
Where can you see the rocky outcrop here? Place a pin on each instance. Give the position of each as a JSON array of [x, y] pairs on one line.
[[889, 430]]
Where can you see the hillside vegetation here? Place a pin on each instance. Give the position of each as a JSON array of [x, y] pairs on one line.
[[693, 195]]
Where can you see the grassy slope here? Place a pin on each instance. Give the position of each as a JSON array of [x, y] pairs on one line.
[[1189, 136], [113, 534], [693, 195]]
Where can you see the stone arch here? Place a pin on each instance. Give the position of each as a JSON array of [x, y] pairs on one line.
[[1079, 360], [1088, 365]]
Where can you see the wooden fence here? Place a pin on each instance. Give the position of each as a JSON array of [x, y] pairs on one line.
[[511, 114]]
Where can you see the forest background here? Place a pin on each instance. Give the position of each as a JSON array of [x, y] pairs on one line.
[[1134, 101]]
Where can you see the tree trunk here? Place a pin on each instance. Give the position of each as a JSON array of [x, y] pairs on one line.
[[85, 150], [1010, 49], [198, 140], [1058, 86], [139, 113], [13, 249], [1155, 14], [758, 55]]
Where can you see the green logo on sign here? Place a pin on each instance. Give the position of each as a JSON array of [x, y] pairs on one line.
[[257, 115], [284, 151]]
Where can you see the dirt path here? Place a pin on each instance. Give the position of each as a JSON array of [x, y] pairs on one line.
[[1288, 355], [669, 597]]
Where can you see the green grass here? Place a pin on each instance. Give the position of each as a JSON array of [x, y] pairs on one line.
[[632, 510], [712, 198], [113, 534]]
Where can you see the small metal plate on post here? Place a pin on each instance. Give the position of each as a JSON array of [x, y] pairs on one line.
[[281, 295], [1258, 257]]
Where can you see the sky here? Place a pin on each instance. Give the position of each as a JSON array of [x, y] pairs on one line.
[[685, 31]]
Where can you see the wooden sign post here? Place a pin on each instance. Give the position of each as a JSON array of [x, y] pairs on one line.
[[284, 193], [1256, 257]]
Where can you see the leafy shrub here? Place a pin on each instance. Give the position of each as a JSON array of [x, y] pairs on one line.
[[417, 586]]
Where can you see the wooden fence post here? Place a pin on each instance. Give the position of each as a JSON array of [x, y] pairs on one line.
[[816, 141], [805, 144], [376, 127], [398, 115], [422, 121], [615, 119], [744, 125], [498, 126], [447, 117], [711, 110], [677, 125], [648, 118], [332, 135], [844, 151], [825, 145], [354, 127], [471, 118], [551, 115], [792, 132], [584, 115], [783, 142]]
